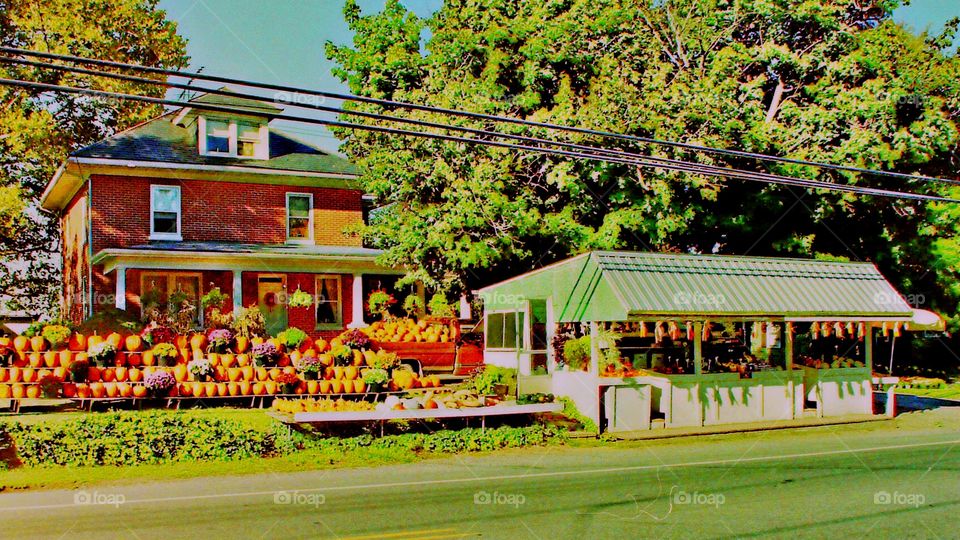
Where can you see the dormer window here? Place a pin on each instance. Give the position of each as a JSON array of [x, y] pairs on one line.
[[232, 138]]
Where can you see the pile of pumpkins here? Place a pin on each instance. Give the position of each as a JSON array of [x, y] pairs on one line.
[[234, 373], [292, 406], [413, 331]]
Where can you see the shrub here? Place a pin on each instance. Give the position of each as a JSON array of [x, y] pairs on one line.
[[250, 322], [439, 306], [576, 352], [292, 337], [50, 386], [412, 305], [136, 437], [156, 333], [380, 301], [214, 299], [490, 376]]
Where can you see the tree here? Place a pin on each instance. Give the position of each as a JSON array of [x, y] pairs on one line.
[[826, 80], [39, 130]]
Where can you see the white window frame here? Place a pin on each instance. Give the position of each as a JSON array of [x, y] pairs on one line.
[[263, 150], [520, 338], [154, 235], [309, 238], [316, 302]]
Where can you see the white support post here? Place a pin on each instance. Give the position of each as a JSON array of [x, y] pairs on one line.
[[237, 292], [594, 348], [465, 312], [698, 348], [356, 319], [121, 293]]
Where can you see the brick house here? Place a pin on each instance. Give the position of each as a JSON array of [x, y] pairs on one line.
[[191, 200]]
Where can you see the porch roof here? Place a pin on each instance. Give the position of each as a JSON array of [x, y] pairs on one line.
[[243, 257], [617, 286]]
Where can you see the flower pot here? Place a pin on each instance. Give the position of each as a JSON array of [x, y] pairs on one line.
[[310, 375], [290, 388]]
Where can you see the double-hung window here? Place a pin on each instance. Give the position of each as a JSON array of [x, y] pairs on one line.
[[505, 330], [299, 217], [165, 213], [233, 138]]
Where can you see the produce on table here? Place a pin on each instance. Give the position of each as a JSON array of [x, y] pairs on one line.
[[321, 405], [411, 330]]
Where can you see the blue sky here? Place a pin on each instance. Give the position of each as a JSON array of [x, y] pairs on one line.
[[282, 41]]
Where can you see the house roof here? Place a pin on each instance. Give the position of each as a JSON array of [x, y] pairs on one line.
[[617, 286], [254, 106], [159, 140]]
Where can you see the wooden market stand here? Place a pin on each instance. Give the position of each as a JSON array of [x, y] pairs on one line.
[[600, 290]]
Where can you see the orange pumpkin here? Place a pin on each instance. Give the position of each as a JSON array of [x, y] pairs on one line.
[[337, 373], [134, 375], [18, 391], [111, 389], [359, 386], [357, 358], [222, 389], [4, 374], [301, 387], [256, 341], [295, 356], [313, 387], [347, 386], [108, 375], [38, 344], [213, 358], [36, 360], [351, 372], [320, 345], [234, 374], [184, 355], [180, 372], [284, 361], [78, 342], [274, 373], [5, 341], [61, 373], [276, 343], [43, 373], [21, 343], [262, 374], [211, 389], [33, 391], [186, 389], [198, 341], [97, 390], [270, 386], [246, 373], [121, 374], [199, 389], [290, 369], [115, 339], [133, 343], [233, 389], [246, 388], [29, 375], [259, 388], [134, 359], [65, 357], [326, 360], [94, 340], [83, 390], [93, 374], [243, 360], [243, 344], [228, 360], [139, 391], [21, 359], [336, 386], [5, 391], [51, 359], [69, 390], [430, 404], [125, 390], [147, 358], [15, 374], [80, 356]]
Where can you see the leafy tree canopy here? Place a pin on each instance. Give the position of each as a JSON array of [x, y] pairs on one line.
[[39, 130], [826, 80]]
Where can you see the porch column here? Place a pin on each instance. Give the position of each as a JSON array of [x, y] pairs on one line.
[[356, 319], [698, 347], [121, 293], [594, 348], [237, 292]]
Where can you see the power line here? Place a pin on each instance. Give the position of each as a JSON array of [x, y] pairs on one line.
[[467, 114], [639, 161]]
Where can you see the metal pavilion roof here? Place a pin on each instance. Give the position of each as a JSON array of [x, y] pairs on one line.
[[616, 286]]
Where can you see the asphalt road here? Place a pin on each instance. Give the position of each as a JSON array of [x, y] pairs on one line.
[[893, 481]]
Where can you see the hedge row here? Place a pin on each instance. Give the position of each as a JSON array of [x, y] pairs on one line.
[[134, 438]]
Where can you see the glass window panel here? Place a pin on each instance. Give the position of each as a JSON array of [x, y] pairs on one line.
[[246, 148], [164, 222], [299, 228], [166, 200], [495, 330], [299, 206], [248, 131], [218, 136], [510, 330], [328, 300]]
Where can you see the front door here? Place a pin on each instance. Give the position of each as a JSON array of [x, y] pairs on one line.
[[271, 299]]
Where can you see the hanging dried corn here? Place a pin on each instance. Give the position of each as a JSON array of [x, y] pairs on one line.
[[826, 329], [851, 329], [707, 332], [658, 332], [691, 334], [861, 331], [896, 329], [815, 330], [885, 329], [643, 330], [674, 330], [838, 329]]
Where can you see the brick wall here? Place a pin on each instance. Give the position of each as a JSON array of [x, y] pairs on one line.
[[304, 319], [218, 211], [76, 260]]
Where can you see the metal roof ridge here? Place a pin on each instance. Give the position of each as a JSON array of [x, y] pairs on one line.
[[727, 256]]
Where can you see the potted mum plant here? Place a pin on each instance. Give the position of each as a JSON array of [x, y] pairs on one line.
[[342, 356], [288, 382], [265, 355], [292, 338], [156, 333], [309, 367], [201, 369], [159, 383], [220, 341], [300, 299], [376, 379], [50, 386], [57, 335], [102, 353], [79, 370], [165, 354], [356, 339]]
